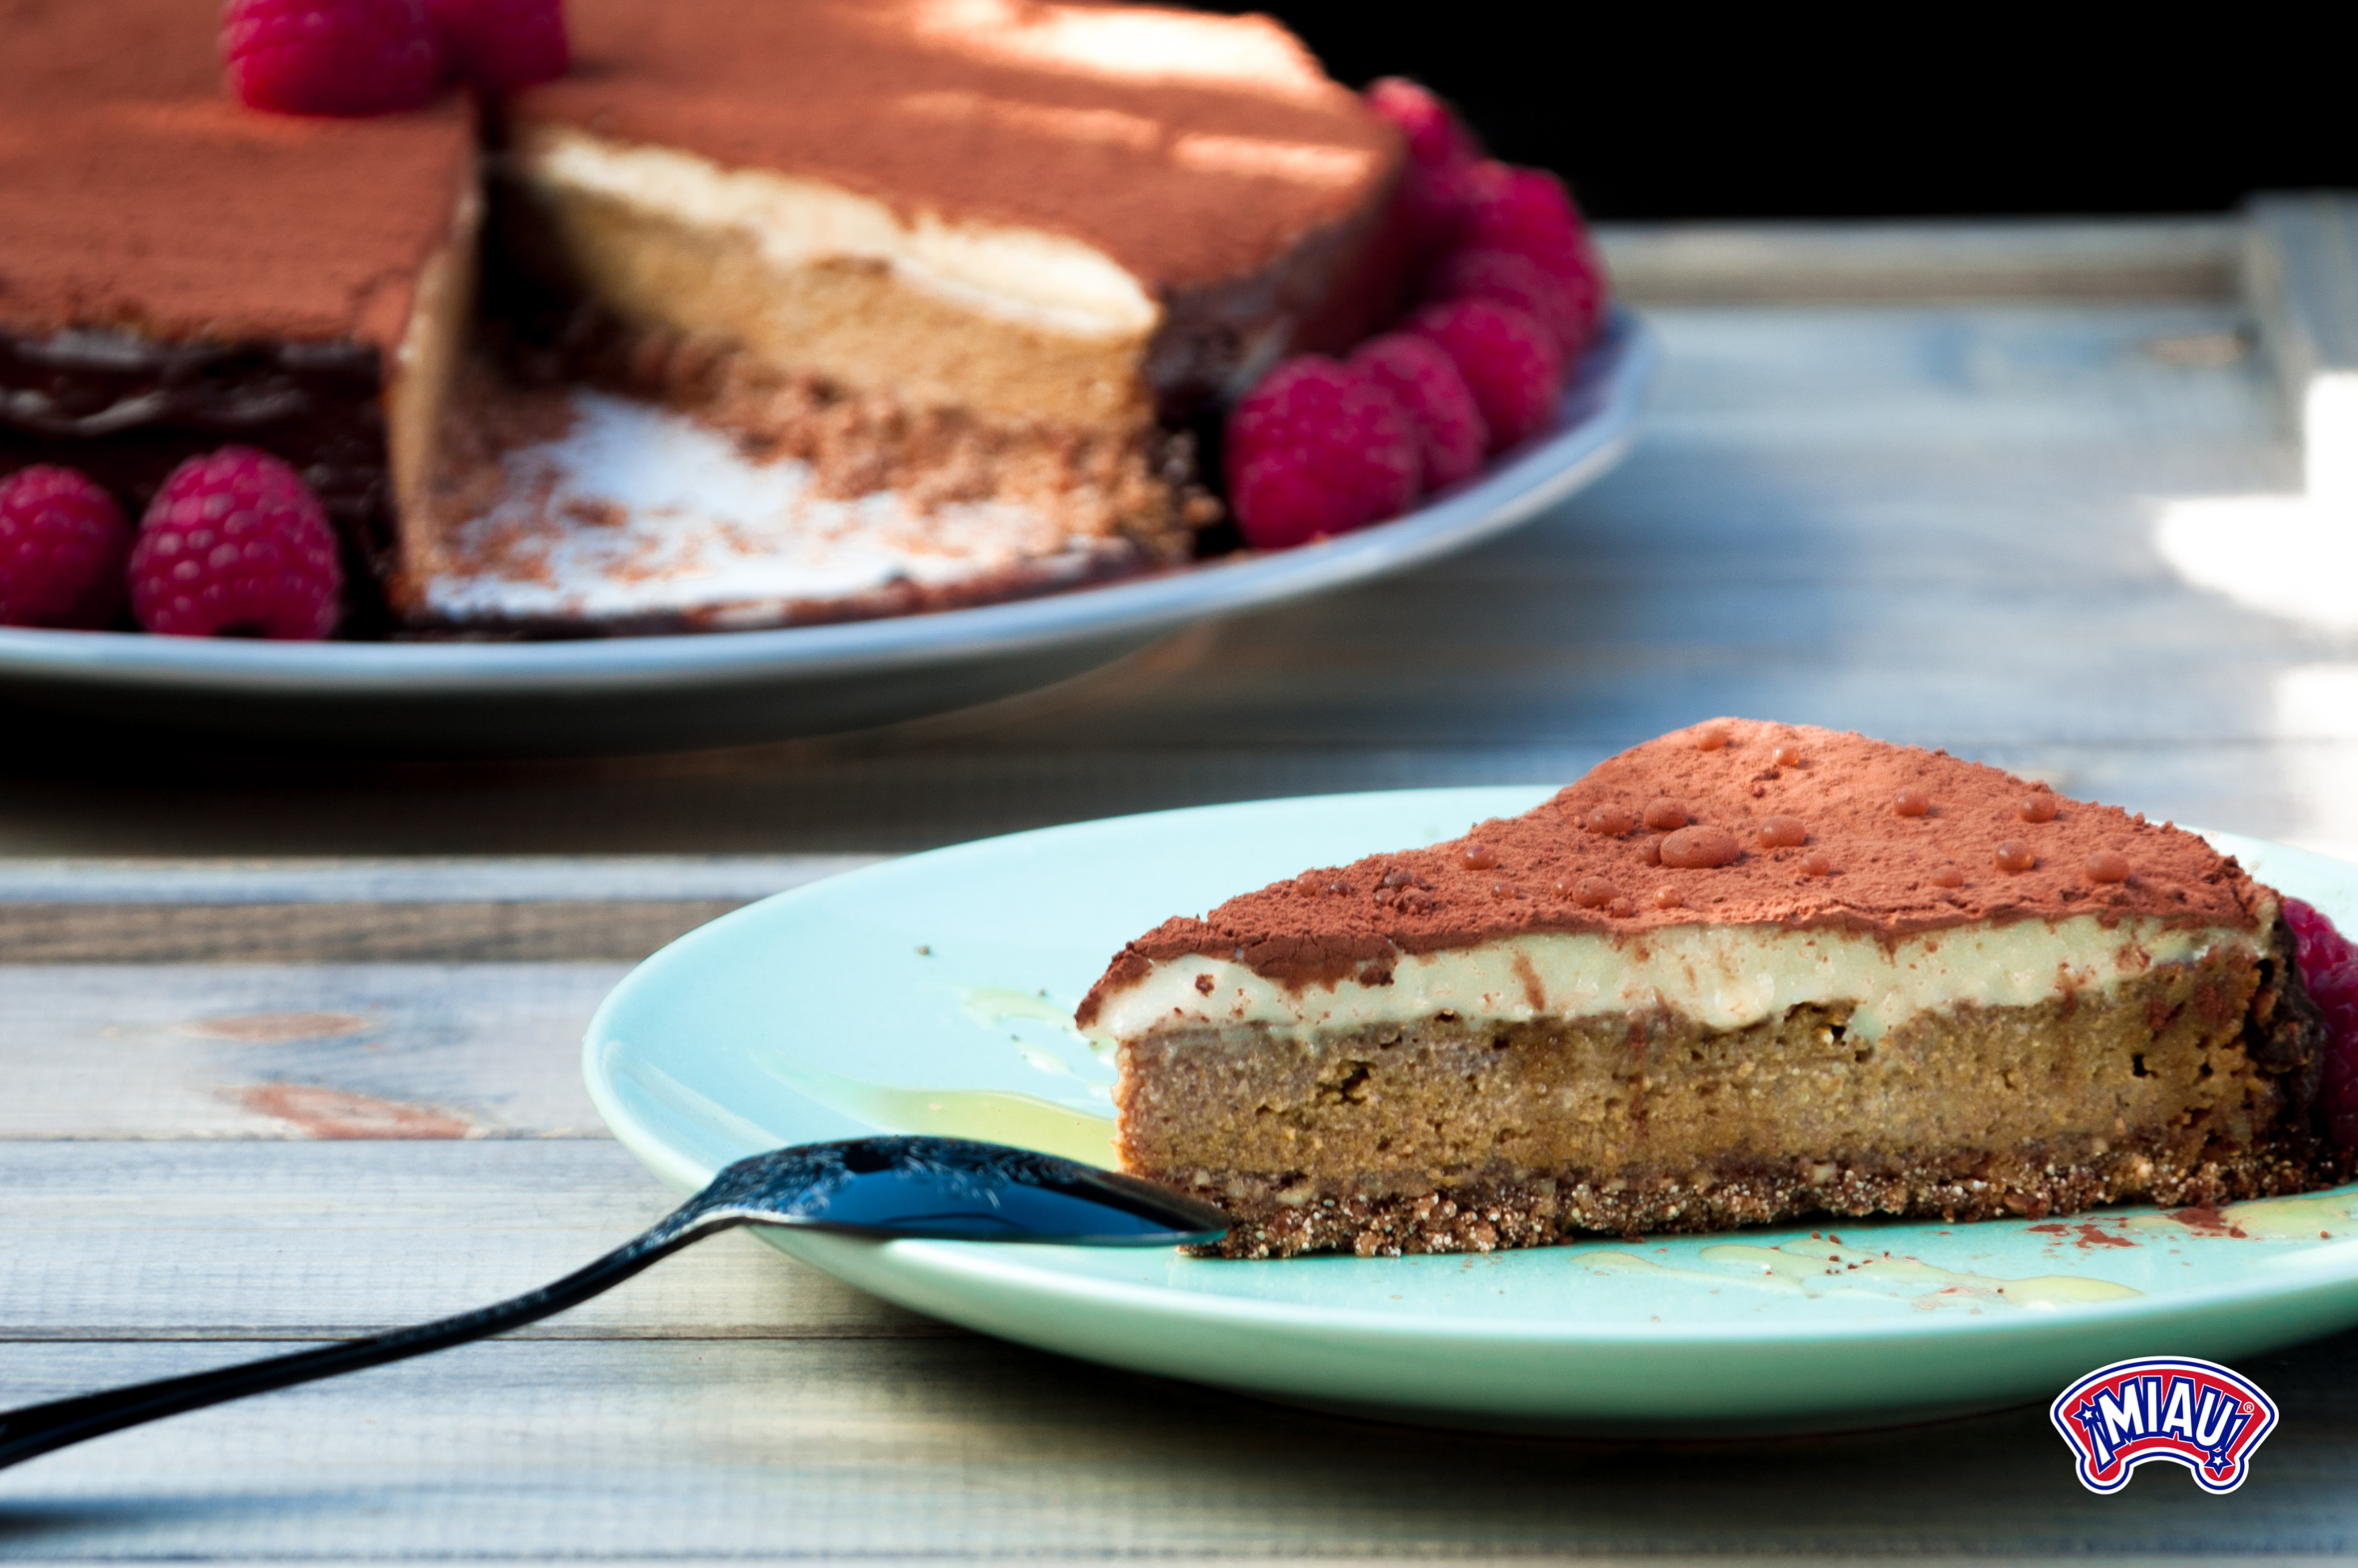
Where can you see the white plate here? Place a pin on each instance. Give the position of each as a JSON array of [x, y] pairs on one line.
[[721, 687], [933, 994]]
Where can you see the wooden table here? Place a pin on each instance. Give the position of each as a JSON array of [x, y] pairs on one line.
[[270, 1099]]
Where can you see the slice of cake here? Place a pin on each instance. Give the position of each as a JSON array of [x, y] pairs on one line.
[[1744, 972], [177, 272], [961, 263]]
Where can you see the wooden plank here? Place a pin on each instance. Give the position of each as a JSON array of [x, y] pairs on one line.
[[2301, 274], [969, 1449], [1129, 1553], [1949, 262], [509, 909], [345, 932], [241, 1240], [366, 1051], [426, 879]]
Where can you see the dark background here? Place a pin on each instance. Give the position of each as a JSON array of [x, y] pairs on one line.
[[1701, 112]]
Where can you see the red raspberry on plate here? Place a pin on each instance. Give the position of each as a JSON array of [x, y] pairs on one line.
[[1442, 154], [2317, 946], [1509, 363], [1568, 312], [1437, 138], [502, 44], [330, 56], [1528, 212], [1451, 436], [235, 545], [2329, 967], [1318, 447], [63, 545]]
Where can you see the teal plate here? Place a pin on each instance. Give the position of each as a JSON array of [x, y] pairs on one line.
[[933, 994]]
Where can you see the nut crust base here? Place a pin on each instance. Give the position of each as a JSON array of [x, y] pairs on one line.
[[1491, 1214]]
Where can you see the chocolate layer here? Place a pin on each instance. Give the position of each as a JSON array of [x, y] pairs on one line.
[[125, 411]]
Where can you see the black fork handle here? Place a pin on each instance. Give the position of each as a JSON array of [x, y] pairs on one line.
[[36, 1430]]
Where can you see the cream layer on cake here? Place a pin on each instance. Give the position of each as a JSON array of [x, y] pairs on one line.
[[815, 279], [1718, 976]]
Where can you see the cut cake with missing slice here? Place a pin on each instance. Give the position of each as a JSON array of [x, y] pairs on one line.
[[1744, 972]]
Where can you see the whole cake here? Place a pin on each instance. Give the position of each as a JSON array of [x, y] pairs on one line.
[[1744, 972]]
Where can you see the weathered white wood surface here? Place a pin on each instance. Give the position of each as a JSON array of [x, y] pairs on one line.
[[384, 1051], [479, 909], [968, 1449], [241, 1240], [1657, 264], [429, 880]]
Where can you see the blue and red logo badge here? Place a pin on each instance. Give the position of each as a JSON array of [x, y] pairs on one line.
[[2200, 1415]]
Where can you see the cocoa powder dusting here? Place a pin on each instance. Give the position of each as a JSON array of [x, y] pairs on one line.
[[1886, 874], [1074, 120], [141, 196]]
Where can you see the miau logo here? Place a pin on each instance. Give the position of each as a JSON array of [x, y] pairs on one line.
[[2195, 1413]]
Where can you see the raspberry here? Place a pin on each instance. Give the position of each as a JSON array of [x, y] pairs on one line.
[[1528, 212], [235, 545], [1430, 213], [1421, 379], [2328, 968], [1508, 360], [63, 544], [2317, 946], [502, 44], [1512, 279], [1437, 138], [1318, 447], [1442, 153], [330, 56]]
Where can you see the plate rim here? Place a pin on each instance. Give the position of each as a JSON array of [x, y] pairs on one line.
[[1617, 374], [961, 1262]]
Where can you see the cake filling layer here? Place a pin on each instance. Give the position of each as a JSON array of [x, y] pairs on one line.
[[1022, 274], [1722, 976], [812, 280], [2182, 1084]]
